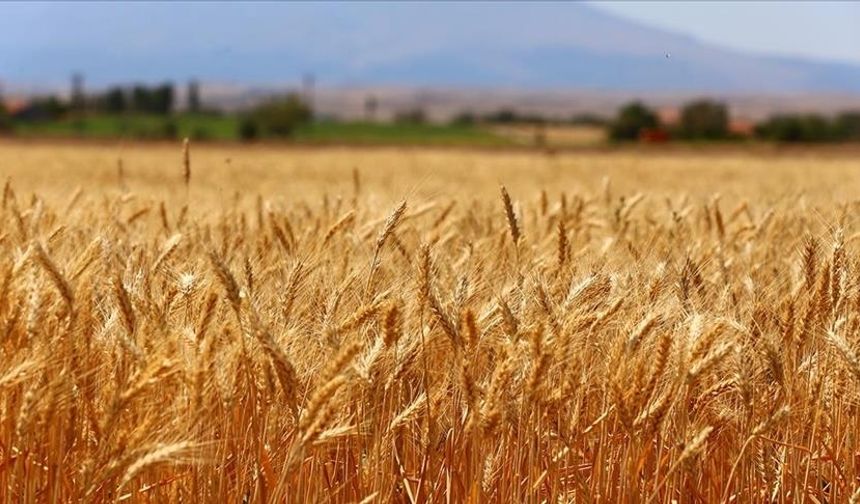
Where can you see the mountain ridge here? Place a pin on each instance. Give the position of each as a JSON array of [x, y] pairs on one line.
[[485, 45]]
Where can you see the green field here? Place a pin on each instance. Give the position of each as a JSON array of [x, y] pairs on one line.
[[226, 128], [133, 126]]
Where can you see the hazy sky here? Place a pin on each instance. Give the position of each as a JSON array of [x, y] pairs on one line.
[[826, 30], [822, 29], [457, 43]]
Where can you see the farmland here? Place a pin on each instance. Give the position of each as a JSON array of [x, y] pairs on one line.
[[217, 127], [350, 324]]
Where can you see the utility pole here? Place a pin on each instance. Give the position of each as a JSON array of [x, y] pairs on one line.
[[194, 105], [77, 95], [308, 84]]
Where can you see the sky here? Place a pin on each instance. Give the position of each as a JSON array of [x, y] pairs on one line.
[[821, 30], [583, 44]]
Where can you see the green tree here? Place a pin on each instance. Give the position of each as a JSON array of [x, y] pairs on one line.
[[155, 100], [848, 126], [114, 100], [162, 99], [5, 120], [280, 117], [797, 128], [632, 119], [48, 108], [704, 120], [141, 98], [248, 129]]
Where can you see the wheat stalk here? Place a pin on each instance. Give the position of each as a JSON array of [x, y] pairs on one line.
[[513, 225]]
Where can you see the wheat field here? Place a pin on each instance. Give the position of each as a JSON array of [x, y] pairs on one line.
[[262, 324]]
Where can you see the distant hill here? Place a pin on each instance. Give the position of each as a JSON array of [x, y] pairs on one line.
[[537, 45]]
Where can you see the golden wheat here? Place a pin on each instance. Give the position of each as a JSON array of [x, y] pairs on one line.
[[276, 341]]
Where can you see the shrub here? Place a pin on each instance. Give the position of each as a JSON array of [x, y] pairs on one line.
[[632, 119], [48, 108], [5, 120], [464, 119], [169, 129], [848, 126], [797, 128], [704, 120], [201, 133], [411, 116], [280, 117], [155, 100], [248, 129], [504, 116], [114, 100]]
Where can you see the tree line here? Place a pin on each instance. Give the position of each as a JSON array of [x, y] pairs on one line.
[[276, 117], [157, 99], [281, 116], [709, 120], [139, 98]]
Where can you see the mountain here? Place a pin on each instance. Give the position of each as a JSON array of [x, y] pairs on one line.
[[508, 45]]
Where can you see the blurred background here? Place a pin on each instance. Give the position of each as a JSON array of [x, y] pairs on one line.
[[546, 75]]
